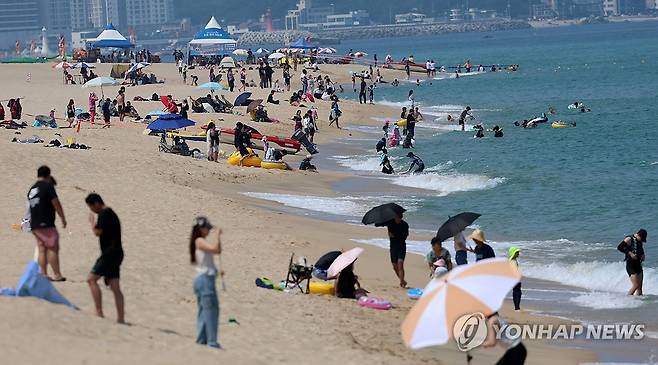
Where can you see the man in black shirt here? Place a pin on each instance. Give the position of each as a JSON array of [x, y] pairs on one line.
[[482, 250], [362, 91], [44, 203], [398, 231], [107, 228]]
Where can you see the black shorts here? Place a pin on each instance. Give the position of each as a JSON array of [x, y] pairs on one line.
[[633, 267], [243, 151], [398, 252], [461, 122], [108, 266]]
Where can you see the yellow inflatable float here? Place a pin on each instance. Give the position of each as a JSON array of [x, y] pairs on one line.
[[401, 123], [561, 124], [274, 165], [251, 161], [322, 287]]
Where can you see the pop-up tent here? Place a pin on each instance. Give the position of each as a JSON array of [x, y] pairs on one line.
[[302, 43], [110, 37], [211, 41]]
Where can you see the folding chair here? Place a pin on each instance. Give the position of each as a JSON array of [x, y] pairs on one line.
[[297, 274]]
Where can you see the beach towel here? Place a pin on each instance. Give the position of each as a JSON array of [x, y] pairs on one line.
[[33, 284]]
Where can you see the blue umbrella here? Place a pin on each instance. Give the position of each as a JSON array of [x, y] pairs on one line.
[[169, 121], [212, 86], [156, 113], [241, 99]]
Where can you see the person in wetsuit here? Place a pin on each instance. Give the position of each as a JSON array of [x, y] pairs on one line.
[[416, 163], [633, 249]]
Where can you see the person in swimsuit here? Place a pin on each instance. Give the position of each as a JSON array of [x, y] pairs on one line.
[[398, 231], [633, 249], [462, 117], [415, 162]]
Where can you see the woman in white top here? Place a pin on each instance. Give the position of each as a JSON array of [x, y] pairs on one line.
[[201, 254]]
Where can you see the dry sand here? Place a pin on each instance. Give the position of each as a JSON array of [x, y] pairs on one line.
[[156, 196]]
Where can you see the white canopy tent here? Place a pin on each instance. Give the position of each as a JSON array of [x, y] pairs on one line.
[[211, 41]]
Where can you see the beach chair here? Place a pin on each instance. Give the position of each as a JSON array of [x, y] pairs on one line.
[[298, 273]]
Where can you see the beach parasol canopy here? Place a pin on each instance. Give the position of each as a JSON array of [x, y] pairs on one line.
[[327, 50], [156, 113], [169, 122], [82, 65], [262, 51], [253, 105], [100, 82], [276, 56], [344, 260], [302, 43], [241, 52], [111, 38], [241, 100], [360, 54], [465, 290], [137, 66], [380, 215], [212, 86], [63, 65], [456, 224]]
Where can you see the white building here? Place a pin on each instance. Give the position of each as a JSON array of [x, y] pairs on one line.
[[410, 18], [611, 7], [149, 12], [103, 12], [80, 14]]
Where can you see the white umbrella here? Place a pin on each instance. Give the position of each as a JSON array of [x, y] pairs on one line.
[[464, 291], [262, 51], [227, 62], [62, 65], [100, 82], [82, 65], [344, 260], [276, 56], [240, 52], [137, 66], [360, 54]]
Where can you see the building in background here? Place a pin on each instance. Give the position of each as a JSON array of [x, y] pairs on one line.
[[148, 12], [23, 20], [410, 18], [611, 7], [306, 13], [103, 12], [80, 14], [632, 7]]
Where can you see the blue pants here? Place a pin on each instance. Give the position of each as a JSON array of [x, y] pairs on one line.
[[207, 322], [460, 257]]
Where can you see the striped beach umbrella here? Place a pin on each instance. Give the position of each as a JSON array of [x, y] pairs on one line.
[[467, 289]]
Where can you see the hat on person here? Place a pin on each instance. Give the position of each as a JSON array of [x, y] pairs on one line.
[[440, 263], [512, 252], [202, 222], [477, 235], [643, 234]]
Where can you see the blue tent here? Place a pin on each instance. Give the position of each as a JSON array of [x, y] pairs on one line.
[[302, 43], [212, 41], [33, 284], [110, 37]]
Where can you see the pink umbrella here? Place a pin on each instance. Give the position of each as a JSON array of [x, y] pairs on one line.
[[344, 260]]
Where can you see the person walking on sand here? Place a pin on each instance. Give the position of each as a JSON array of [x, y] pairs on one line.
[[398, 231], [482, 250], [44, 203], [335, 112], [106, 226], [201, 254], [212, 139], [362, 91], [70, 112], [513, 255], [106, 112], [633, 249], [93, 99]]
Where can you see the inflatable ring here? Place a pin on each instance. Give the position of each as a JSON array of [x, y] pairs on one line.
[[251, 161], [273, 165], [322, 287]]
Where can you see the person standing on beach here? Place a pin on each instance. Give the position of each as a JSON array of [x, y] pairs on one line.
[[398, 231], [106, 112], [362, 91], [121, 103], [201, 254], [93, 99], [482, 250], [513, 255], [70, 112], [460, 249], [633, 249], [335, 112], [106, 226], [243, 80], [44, 203], [354, 81], [462, 117], [230, 78]]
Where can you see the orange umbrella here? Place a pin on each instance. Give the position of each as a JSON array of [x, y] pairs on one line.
[[253, 105], [344, 260], [466, 290]]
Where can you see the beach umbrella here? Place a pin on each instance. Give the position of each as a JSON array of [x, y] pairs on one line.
[[82, 65], [63, 65], [240, 52], [262, 51], [456, 224], [137, 66], [212, 86], [155, 113], [241, 99], [100, 82], [169, 122], [382, 214], [360, 54], [464, 291], [276, 56], [344, 260], [227, 62], [253, 105]]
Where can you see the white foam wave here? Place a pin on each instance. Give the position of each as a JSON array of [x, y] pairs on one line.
[[601, 300], [444, 184]]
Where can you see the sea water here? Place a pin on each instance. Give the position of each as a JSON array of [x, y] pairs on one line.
[[567, 197]]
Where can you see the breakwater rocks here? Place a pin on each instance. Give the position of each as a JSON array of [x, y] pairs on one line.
[[380, 31]]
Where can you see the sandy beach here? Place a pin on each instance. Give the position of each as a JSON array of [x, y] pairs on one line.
[[156, 196]]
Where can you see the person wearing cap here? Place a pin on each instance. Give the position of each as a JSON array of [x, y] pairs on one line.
[[43, 204], [513, 256], [106, 226], [415, 162], [437, 253], [482, 250], [633, 249], [201, 254]]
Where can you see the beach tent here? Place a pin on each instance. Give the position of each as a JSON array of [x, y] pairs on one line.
[[302, 43], [111, 38], [211, 41]]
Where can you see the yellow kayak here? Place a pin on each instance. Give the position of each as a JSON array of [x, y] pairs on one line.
[[560, 124], [251, 161], [272, 165], [201, 136], [322, 287]]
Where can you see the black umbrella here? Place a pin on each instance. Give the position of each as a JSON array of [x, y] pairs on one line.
[[456, 224], [382, 214], [242, 99]]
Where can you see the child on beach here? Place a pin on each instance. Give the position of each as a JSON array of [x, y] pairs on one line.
[[513, 255], [201, 254], [438, 253]]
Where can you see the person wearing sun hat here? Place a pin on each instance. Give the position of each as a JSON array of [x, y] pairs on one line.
[[513, 255], [482, 250]]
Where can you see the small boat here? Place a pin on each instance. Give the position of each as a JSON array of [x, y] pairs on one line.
[[290, 145]]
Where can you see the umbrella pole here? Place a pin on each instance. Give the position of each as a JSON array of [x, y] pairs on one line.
[[468, 358]]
